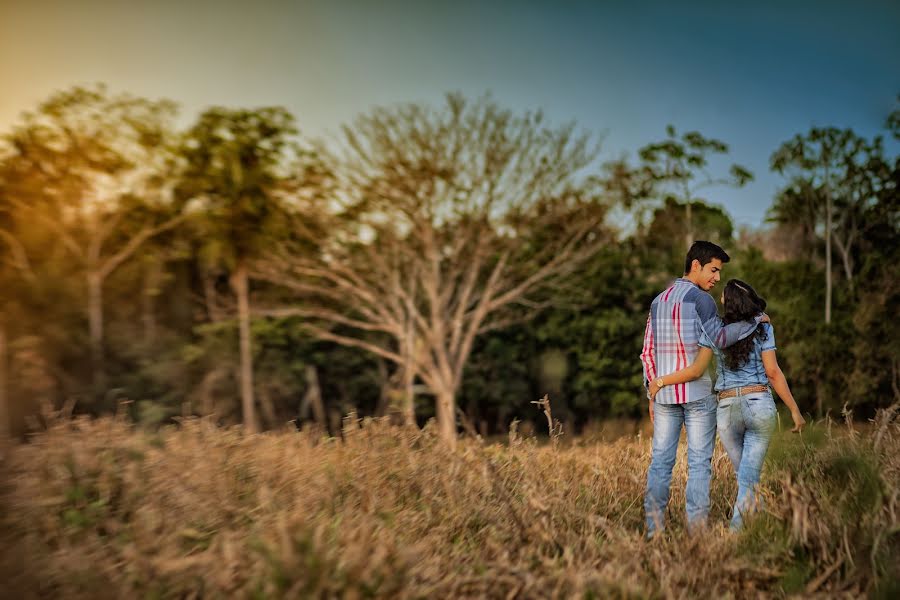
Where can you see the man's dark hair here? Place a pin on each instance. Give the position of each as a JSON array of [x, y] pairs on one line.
[[704, 252]]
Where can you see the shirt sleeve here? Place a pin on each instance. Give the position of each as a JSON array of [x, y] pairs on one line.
[[769, 342], [705, 341], [648, 360], [710, 324]]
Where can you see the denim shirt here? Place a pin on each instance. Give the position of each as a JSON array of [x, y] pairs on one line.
[[752, 372]]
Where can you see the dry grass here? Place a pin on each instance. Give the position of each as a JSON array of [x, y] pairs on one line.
[[100, 508]]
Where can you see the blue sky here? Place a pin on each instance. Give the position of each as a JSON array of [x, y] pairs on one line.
[[751, 75]]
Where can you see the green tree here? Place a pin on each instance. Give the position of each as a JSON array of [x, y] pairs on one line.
[[674, 171], [91, 168], [662, 242], [238, 168], [874, 316], [833, 185], [15, 274]]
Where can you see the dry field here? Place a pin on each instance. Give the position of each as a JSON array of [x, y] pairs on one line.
[[99, 508]]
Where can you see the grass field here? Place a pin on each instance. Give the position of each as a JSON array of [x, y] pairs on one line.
[[98, 508]]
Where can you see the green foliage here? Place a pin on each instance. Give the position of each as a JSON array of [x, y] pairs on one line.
[[349, 378], [233, 163], [664, 238], [171, 342], [856, 482], [860, 340], [674, 170], [152, 413], [497, 383]]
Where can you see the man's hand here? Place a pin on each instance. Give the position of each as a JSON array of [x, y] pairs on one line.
[[765, 318], [651, 411]]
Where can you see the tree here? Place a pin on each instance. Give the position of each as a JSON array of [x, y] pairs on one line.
[[15, 274], [879, 289], [435, 245], [91, 168], [238, 169], [662, 243], [673, 171], [834, 182]]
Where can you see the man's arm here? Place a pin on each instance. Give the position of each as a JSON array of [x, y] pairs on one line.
[[648, 360], [715, 329]]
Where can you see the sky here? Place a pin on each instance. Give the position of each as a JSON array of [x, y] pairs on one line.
[[752, 75]]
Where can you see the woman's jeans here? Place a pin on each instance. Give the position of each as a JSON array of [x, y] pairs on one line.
[[745, 425], [699, 418]]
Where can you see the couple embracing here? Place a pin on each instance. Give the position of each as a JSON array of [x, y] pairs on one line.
[[683, 332]]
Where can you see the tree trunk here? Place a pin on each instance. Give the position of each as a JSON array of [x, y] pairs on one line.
[[270, 416], [207, 390], [240, 287], [409, 396], [848, 269], [313, 397], [95, 323], [688, 224], [446, 416], [846, 259], [5, 412], [209, 297], [409, 374]]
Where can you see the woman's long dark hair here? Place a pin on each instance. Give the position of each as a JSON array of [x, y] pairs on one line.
[[742, 303]]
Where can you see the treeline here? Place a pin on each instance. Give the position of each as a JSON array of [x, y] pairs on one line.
[[453, 261]]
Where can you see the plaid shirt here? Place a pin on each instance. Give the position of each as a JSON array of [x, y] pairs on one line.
[[679, 316]]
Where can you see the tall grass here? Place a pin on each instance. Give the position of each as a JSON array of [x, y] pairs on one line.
[[99, 508]]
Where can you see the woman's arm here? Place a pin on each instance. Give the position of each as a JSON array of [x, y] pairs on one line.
[[780, 384], [689, 373], [716, 330]]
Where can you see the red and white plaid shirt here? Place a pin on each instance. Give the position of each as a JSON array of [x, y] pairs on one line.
[[680, 317]]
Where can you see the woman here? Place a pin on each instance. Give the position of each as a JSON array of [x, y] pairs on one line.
[[746, 410]]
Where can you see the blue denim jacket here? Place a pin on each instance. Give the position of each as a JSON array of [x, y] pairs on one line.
[[752, 372]]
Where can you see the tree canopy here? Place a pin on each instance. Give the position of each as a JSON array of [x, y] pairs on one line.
[[455, 261]]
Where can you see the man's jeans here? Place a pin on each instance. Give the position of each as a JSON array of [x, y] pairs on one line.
[[699, 418], [745, 426]]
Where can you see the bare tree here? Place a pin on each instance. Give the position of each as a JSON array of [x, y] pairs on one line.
[[90, 168], [452, 222]]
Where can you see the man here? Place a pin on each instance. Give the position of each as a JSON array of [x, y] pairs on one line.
[[679, 316]]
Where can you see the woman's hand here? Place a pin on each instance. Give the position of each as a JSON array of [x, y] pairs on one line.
[[654, 389], [799, 421]]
